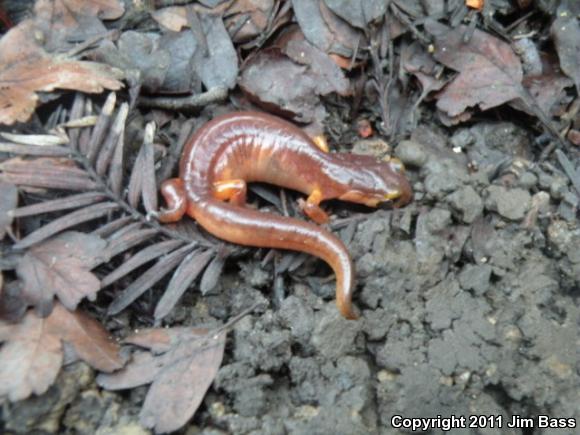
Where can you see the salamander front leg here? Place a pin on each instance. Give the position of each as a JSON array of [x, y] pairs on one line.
[[311, 207], [174, 194], [234, 191]]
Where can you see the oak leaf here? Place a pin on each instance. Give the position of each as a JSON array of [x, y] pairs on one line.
[[32, 353], [27, 69], [181, 364], [490, 73], [61, 267]]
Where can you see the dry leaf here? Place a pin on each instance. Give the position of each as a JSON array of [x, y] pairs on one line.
[[32, 354], [566, 33], [358, 13], [325, 30], [490, 73], [30, 359], [68, 10], [61, 267], [29, 70], [92, 343], [182, 364]]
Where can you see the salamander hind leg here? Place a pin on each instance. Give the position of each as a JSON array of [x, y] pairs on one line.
[[174, 194], [311, 207], [234, 191]]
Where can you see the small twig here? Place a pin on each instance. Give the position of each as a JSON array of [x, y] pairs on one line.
[[185, 103], [403, 18], [226, 327], [89, 42]]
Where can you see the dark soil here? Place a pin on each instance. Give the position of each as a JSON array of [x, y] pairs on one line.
[[465, 311]]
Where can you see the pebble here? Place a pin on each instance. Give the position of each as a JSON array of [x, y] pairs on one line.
[[509, 203], [528, 180], [411, 153], [467, 202]]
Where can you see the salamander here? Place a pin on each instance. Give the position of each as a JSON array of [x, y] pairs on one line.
[[225, 154]]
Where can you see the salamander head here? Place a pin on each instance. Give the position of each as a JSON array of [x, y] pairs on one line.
[[377, 181]]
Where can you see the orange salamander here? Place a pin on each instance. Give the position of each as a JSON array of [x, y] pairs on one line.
[[241, 147]]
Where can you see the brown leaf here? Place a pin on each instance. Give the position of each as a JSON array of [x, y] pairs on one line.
[[416, 60], [30, 359], [61, 266], [92, 343], [8, 202], [277, 83], [32, 354], [329, 76], [179, 389], [29, 70], [547, 90], [566, 33], [70, 9], [247, 19], [324, 29], [490, 73], [358, 13], [181, 376], [173, 18], [218, 67]]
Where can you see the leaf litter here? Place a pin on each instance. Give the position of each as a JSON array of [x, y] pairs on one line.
[[32, 354]]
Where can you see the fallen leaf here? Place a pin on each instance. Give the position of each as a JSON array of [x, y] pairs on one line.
[[30, 358], [60, 9], [92, 343], [253, 15], [547, 90], [329, 76], [293, 60], [275, 82], [325, 30], [490, 73], [8, 202], [61, 267], [61, 24], [173, 18], [138, 54], [244, 19], [32, 354], [181, 366], [219, 65], [29, 70], [566, 33], [358, 13], [416, 60]]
